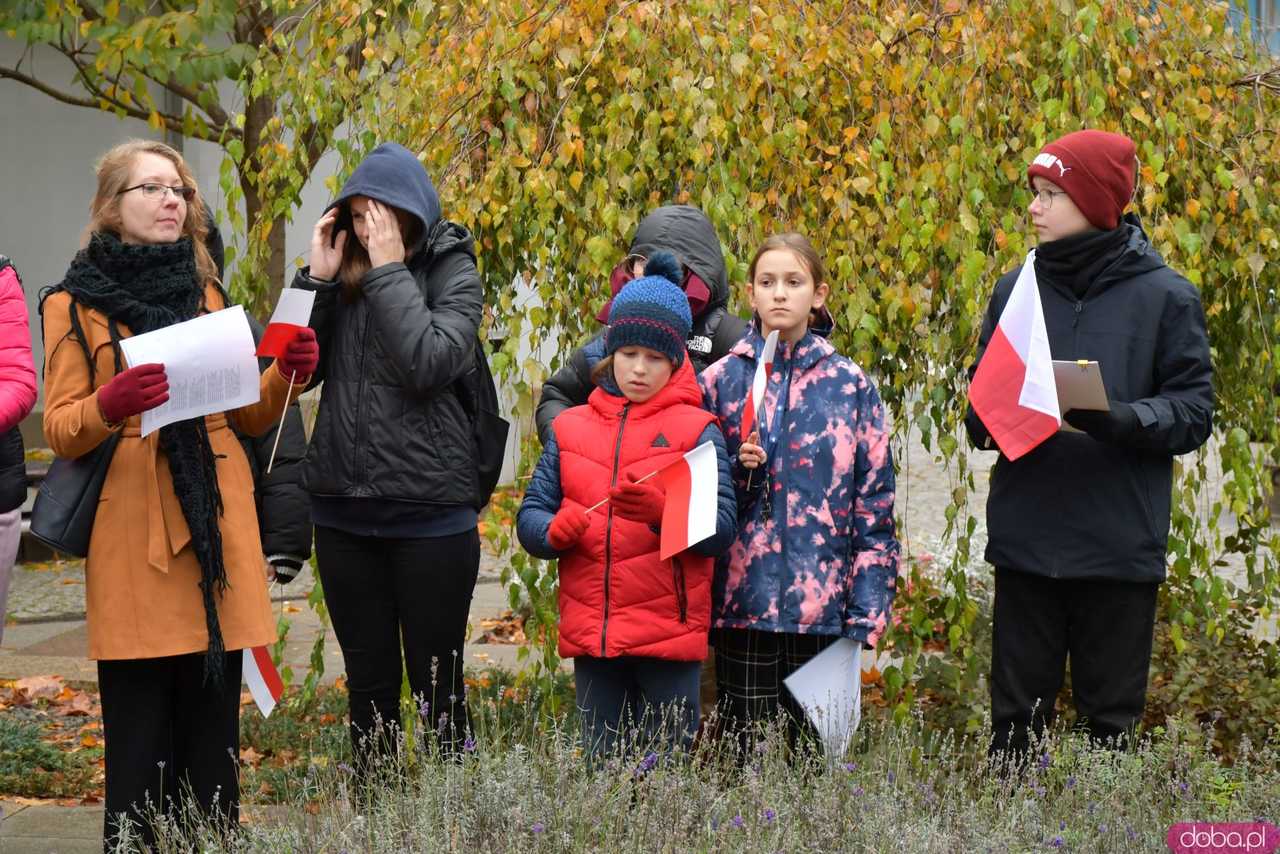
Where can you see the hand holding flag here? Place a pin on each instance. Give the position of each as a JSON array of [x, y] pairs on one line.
[[639, 502], [1013, 390], [284, 339], [690, 500]]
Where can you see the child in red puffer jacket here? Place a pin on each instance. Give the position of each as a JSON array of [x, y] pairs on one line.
[[634, 624]]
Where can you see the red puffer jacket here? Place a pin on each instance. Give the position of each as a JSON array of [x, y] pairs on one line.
[[616, 596]]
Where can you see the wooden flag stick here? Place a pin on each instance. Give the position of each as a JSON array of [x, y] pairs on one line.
[[606, 501], [280, 429]]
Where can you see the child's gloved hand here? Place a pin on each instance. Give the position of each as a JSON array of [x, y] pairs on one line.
[[567, 527], [638, 502]]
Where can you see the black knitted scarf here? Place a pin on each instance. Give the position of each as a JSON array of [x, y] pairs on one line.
[[149, 287]]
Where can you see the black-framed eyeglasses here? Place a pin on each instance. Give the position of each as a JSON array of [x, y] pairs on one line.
[[155, 192], [1046, 197]]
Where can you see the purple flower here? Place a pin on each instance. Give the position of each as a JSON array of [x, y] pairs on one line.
[[424, 708], [737, 821], [851, 767], [1183, 787], [345, 768], [1057, 842], [647, 764], [1071, 782], [1062, 825], [1044, 761], [890, 777], [1130, 832], [857, 791], [1102, 828], [469, 745], [538, 827], [769, 816]]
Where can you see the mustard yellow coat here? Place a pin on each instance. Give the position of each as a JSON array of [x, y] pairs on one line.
[[142, 577]]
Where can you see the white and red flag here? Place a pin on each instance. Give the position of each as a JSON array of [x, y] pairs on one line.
[[263, 680], [689, 516], [755, 400], [1013, 389], [292, 313]]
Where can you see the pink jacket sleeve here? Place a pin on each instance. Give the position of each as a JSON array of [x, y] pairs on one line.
[[17, 373]]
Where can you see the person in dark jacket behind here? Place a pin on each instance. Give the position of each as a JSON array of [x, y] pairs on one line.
[[392, 466], [284, 507], [685, 232], [1078, 527]]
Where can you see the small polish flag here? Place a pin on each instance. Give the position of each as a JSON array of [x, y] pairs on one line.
[[263, 680], [1013, 389], [292, 313], [689, 516], [755, 402]]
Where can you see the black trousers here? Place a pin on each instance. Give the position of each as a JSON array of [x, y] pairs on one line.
[[381, 592], [1104, 626], [750, 668], [169, 736]]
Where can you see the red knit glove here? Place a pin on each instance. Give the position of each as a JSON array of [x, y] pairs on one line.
[[301, 356], [639, 502], [567, 527], [133, 391]]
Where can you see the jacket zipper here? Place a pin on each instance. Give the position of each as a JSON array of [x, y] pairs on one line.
[[608, 529], [361, 474], [784, 401]]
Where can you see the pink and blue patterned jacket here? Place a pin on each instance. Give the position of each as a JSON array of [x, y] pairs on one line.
[[816, 551]]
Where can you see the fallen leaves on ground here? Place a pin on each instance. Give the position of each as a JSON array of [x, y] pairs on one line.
[[506, 628]]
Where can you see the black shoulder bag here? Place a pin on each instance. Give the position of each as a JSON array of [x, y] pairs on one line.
[[65, 507]]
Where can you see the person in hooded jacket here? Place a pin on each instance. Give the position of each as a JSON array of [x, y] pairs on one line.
[[686, 233], [1078, 526], [392, 468]]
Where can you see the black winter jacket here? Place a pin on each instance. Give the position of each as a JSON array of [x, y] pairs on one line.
[[684, 231], [390, 425], [1075, 507]]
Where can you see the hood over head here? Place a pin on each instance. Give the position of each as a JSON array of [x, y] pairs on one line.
[[393, 175]]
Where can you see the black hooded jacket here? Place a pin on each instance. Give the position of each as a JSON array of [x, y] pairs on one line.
[[390, 426], [684, 231], [1076, 507]]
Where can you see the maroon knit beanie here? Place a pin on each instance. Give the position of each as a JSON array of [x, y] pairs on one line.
[[1095, 168]]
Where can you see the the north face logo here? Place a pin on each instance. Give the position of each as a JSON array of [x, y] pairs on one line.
[[1051, 161], [660, 442]]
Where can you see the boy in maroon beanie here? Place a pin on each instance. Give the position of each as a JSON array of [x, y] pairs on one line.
[[1078, 527]]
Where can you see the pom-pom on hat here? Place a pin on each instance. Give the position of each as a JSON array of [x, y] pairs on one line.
[[1096, 169], [652, 311]]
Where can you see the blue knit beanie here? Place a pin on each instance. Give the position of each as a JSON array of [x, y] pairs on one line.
[[652, 311]]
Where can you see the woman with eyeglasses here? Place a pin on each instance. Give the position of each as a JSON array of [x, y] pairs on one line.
[[686, 233], [174, 582]]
